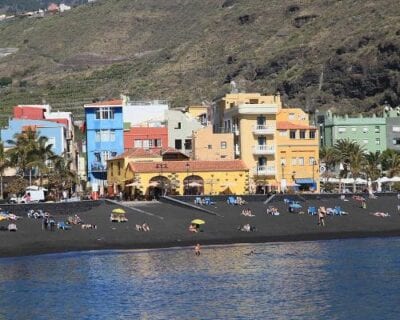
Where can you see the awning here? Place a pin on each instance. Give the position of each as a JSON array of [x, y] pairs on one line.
[[305, 181]]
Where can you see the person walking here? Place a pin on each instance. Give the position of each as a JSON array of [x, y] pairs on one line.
[[321, 216], [197, 249]]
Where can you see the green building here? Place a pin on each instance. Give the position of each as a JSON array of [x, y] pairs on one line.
[[369, 132]]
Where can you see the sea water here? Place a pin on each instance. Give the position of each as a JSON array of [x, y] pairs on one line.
[[337, 279]]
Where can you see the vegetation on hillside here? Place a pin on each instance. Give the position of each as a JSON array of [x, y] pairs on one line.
[[318, 53]]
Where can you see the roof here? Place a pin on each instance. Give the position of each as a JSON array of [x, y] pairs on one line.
[[114, 102], [286, 125], [139, 153], [193, 166]]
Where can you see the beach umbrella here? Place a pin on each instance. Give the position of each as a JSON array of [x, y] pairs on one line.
[[154, 184], [133, 184], [295, 205], [395, 179], [198, 221], [119, 210]]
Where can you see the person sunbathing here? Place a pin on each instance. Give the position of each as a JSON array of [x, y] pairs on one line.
[[192, 228], [145, 227], [381, 214], [139, 227]]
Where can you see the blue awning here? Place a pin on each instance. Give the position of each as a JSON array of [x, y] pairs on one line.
[[305, 181]]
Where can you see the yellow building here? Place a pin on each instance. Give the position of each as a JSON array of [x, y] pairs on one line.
[[212, 146], [152, 178], [253, 118], [297, 151]]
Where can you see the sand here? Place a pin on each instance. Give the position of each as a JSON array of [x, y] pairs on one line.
[[169, 226]]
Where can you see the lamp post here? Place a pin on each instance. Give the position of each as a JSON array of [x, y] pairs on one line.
[[187, 175], [282, 175], [161, 166]]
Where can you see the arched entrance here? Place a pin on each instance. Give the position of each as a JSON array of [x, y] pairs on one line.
[[193, 185], [159, 186]]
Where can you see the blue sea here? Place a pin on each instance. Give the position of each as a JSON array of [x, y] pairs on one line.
[[337, 279]]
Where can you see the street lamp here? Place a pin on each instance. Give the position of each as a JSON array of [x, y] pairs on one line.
[[161, 166], [187, 175]]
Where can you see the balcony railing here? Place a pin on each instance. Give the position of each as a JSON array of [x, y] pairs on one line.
[[263, 129], [264, 170], [263, 149], [98, 167]]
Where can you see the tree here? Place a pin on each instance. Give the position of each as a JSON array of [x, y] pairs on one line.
[[350, 155], [41, 156], [373, 165], [391, 162], [328, 157], [3, 165]]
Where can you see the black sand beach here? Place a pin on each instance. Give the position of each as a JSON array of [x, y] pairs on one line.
[[169, 225]]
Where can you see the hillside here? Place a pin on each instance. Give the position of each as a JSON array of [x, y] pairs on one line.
[[318, 53], [17, 6]]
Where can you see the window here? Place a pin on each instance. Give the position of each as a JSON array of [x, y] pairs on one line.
[[365, 141], [105, 135], [312, 134], [300, 161], [292, 134], [146, 144], [283, 161], [178, 144], [302, 134], [365, 129], [188, 144], [50, 164], [119, 167], [223, 156], [396, 129], [179, 125], [112, 135], [157, 143], [396, 141], [311, 161], [294, 161], [104, 113], [353, 129], [223, 144], [137, 143], [209, 146], [98, 137], [377, 129], [283, 133], [291, 116], [341, 129], [377, 141]]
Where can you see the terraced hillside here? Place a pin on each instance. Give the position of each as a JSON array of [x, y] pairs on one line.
[[318, 53]]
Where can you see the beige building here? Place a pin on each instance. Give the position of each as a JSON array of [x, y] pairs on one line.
[[209, 146]]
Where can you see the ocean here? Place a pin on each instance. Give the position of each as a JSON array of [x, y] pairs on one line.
[[336, 279]]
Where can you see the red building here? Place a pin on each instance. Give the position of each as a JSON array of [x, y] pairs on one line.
[[31, 112], [146, 138]]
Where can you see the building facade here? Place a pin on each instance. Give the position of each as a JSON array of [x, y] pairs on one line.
[[181, 125], [297, 151], [208, 145], [369, 132], [104, 139]]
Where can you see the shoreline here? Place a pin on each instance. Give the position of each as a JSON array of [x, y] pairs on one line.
[[169, 227]]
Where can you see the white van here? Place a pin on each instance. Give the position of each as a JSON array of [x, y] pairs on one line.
[[32, 194]]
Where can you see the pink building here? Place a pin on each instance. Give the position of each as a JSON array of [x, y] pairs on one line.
[[146, 138]]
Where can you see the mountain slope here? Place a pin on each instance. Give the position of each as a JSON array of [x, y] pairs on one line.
[[319, 54]]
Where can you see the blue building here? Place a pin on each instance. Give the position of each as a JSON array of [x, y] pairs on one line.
[[104, 139], [56, 133]]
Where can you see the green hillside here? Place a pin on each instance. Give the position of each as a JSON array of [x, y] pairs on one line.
[[318, 53]]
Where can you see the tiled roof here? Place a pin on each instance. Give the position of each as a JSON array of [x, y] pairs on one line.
[[114, 102], [139, 153], [286, 125], [194, 166]]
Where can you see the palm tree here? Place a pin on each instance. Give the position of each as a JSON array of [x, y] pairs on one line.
[[391, 162], [20, 155], [3, 165], [327, 156], [41, 156], [373, 162], [351, 157]]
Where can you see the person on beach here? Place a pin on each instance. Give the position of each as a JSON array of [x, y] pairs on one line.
[[197, 249], [321, 216]]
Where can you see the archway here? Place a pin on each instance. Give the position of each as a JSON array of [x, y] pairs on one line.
[[159, 186], [193, 185]]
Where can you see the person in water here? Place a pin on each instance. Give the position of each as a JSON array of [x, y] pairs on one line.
[[197, 249]]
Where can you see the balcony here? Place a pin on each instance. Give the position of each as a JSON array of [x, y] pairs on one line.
[[263, 129], [263, 149], [264, 170], [98, 167]]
